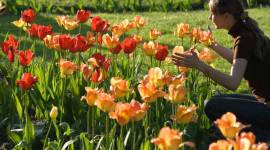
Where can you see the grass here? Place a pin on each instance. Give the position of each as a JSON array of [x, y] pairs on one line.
[[165, 22]]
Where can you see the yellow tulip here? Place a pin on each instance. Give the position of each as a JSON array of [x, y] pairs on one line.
[[54, 112], [60, 20], [126, 25], [51, 42], [139, 22], [111, 42], [155, 76], [20, 23], [92, 95], [184, 115], [70, 24], [150, 48], [154, 34]]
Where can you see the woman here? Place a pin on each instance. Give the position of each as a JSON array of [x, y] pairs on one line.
[[250, 59]]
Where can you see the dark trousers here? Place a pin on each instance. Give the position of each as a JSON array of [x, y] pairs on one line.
[[248, 110]]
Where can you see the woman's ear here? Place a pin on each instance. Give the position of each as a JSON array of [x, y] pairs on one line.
[[226, 17]]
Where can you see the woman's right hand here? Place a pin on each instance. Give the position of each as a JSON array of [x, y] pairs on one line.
[[208, 28]]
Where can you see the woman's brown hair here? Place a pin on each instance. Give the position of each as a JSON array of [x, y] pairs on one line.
[[236, 8]]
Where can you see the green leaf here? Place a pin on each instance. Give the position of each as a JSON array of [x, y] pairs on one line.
[[16, 135], [29, 130], [68, 143], [65, 127], [56, 129], [24, 144], [37, 101], [54, 145], [126, 139], [38, 129], [3, 122], [19, 107], [3, 145], [99, 142]]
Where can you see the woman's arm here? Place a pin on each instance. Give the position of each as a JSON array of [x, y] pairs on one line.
[[223, 52], [230, 82]]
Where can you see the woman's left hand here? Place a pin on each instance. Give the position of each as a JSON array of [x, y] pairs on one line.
[[190, 61]]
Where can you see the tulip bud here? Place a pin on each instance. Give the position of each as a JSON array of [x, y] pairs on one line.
[[54, 112]]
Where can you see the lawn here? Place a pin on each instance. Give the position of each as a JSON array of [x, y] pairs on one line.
[[165, 22]]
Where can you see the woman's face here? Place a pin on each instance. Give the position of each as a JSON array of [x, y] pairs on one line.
[[218, 20]]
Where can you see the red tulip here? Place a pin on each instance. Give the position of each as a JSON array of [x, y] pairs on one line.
[[8, 47], [99, 39], [26, 58], [27, 81], [43, 31], [98, 25], [34, 30], [79, 44], [117, 49], [64, 41], [83, 16], [28, 16], [162, 53], [129, 45]]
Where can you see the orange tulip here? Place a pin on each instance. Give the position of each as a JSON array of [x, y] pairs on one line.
[[117, 29], [139, 22], [92, 95], [149, 93], [178, 80], [52, 42], [154, 34], [168, 59], [105, 102], [115, 80], [155, 76], [70, 24], [195, 35], [90, 38], [131, 55], [119, 90], [184, 115], [126, 25], [182, 30], [150, 48], [111, 42], [138, 110], [1, 6], [67, 67], [122, 113], [228, 125], [206, 56], [221, 145], [60, 20], [260, 146], [206, 39], [170, 139], [176, 96], [137, 38], [86, 71], [20, 23], [243, 142]]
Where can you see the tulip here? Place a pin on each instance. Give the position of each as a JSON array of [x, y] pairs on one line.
[[27, 81], [260, 146], [180, 50], [126, 25], [115, 80], [54, 112], [161, 53], [28, 16], [168, 59], [67, 67], [117, 49], [206, 39], [131, 55], [79, 44], [60, 20], [184, 115], [70, 24], [43, 31], [122, 113], [195, 35], [34, 30], [64, 41], [182, 30], [20, 23], [139, 22], [99, 39], [105, 102], [206, 56], [26, 58], [129, 45], [178, 80], [2, 7], [83, 16], [120, 89], [228, 125], [155, 76], [177, 94], [221, 145], [90, 38], [149, 93], [98, 25], [111, 42], [137, 38], [117, 30], [52, 42], [9, 47], [243, 142], [92, 95], [154, 34], [150, 48], [138, 110], [86, 71], [170, 139]]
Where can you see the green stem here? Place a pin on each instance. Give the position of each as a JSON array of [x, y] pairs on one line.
[[151, 62], [93, 124], [146, 126], [44, 70], [25, 38], [182, 42], [47, 134], [62, 101], [20, 38], [62, 30], [127, 64], [71, 57], [159, 64], [107, 131], [80, 30], [121, 137], [96, 40], [134, 134], [88, 119]]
